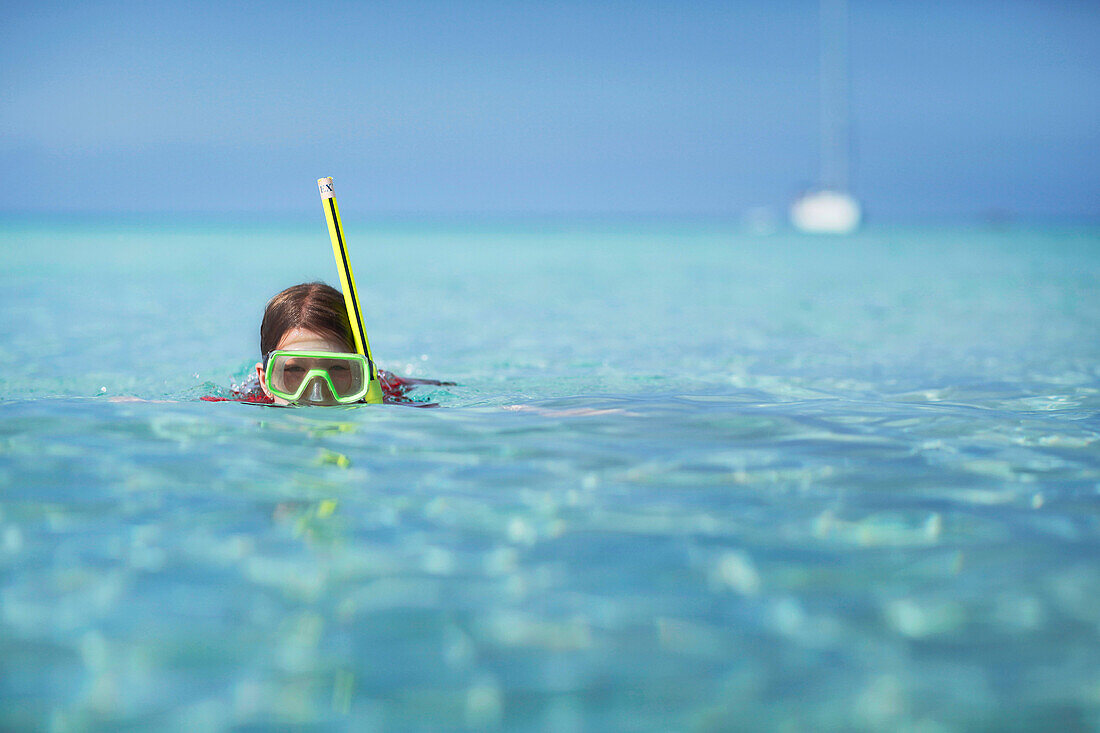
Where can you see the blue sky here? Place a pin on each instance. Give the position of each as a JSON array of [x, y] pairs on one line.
[[441, 108]]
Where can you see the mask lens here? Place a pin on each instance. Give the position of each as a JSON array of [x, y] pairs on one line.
[[345, 378], [288, 376], [348, 375]]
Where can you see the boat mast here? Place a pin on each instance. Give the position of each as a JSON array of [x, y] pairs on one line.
[[831, 209]]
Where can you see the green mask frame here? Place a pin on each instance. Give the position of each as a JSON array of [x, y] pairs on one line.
[[356, 392]]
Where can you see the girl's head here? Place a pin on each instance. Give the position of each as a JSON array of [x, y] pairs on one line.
[[313, 308], [310, 317]]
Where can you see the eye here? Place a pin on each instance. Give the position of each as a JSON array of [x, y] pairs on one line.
[[339, 368], [293, 369]]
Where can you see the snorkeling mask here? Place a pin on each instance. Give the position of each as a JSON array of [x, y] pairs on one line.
[[317, 377]]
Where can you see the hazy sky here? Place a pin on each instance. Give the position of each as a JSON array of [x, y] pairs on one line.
[[677, 108]]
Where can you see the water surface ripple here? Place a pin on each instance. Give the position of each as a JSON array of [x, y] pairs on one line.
[[688, 480]]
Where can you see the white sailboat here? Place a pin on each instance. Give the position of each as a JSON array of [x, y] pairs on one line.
[[830, 208]]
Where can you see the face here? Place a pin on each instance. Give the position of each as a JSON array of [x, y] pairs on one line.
[[300, 339]]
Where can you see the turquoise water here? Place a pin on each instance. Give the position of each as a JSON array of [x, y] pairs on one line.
[[689, 479]]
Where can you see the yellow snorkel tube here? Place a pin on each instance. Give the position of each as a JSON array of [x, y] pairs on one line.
[[347, 284]]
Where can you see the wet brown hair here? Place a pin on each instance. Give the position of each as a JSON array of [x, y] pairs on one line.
[[313, 306]]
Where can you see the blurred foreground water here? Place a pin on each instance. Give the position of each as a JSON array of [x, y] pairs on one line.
[[689, 479]]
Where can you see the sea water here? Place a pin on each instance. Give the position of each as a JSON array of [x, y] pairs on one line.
[[688, 479]]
